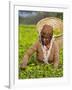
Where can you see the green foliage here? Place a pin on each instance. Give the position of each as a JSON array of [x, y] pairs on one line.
[[27, 36], [40, 71], [57, 32]]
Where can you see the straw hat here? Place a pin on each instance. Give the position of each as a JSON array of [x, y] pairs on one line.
[[56, 23]]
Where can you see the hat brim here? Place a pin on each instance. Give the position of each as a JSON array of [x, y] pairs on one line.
[[56, 23]]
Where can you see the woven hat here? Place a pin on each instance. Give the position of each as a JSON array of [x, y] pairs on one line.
[[56, 23]]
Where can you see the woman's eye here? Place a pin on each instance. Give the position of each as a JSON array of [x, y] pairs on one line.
[[43, 33], [42, 36]]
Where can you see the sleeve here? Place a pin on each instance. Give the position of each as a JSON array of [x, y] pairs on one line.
[[29, 52], [56, 55]]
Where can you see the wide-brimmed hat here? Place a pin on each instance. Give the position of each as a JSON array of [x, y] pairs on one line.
[[56, 23]]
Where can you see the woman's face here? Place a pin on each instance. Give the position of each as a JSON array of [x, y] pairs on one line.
[[46, 34]]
